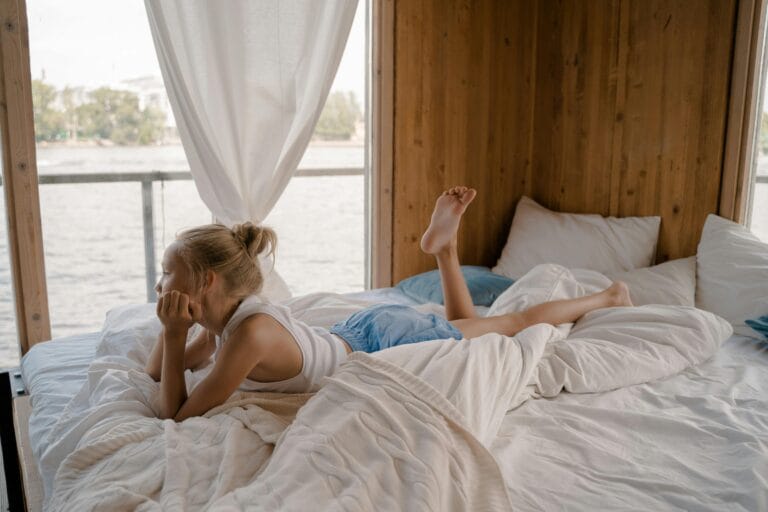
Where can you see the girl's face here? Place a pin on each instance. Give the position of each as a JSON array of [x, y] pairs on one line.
[[176, 275]]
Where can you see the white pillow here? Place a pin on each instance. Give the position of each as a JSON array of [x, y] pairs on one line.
[[672, 283], [732, 273], [590, 241]]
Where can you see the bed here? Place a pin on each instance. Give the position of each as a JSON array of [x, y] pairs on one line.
[[695, 441], [658, 407]]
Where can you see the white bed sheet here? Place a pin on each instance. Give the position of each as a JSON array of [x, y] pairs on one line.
[[696, 440], [53, 372]]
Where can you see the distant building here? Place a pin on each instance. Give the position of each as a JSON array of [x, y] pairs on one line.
[[151, 92]]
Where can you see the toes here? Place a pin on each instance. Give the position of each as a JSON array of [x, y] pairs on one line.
[[458, 190]]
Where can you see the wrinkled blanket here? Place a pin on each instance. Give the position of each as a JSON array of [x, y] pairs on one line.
[[406, 428]]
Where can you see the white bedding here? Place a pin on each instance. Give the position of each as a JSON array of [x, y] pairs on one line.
[[113, 414], [693, 441]]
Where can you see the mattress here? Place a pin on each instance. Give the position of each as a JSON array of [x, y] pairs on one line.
[[696, 440], [53, 372]]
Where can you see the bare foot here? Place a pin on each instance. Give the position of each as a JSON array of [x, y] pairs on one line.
[[619, 294], [441, 233]]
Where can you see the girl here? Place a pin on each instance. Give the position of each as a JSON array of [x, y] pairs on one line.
[[210, 276]]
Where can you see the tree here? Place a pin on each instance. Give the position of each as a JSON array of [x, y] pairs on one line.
[[116, 115], [151, 127], [49, 121], [68, 97], [339, 117]]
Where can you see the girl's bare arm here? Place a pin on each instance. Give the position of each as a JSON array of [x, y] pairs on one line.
[[196, 353], [241, 354]]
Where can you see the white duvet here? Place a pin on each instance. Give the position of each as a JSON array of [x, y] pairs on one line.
[[405, 429]]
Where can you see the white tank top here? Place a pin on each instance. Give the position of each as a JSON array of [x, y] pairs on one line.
[[321, 351]]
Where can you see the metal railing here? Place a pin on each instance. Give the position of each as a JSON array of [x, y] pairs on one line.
[[147, 178]]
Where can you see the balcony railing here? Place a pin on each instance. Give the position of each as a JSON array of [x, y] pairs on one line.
[[146, 179]]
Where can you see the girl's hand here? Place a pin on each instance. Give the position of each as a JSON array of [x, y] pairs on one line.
[[177, 312]]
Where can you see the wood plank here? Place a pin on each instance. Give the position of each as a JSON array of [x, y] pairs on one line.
[[20, 177], [382, 127], [619, 77], [747, 73], [675, 116], [576, 106], [458, 122], [33, 483]]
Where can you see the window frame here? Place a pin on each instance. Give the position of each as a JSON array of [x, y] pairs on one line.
[[744, 103], [20, 176], [22, 202]]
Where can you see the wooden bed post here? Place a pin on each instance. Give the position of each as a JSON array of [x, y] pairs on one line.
[[382, 131], [743, 106], [25, 239]]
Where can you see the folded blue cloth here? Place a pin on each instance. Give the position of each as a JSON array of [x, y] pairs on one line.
[[484, 286], [760, 325]]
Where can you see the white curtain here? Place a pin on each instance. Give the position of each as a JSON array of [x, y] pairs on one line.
[[247, 80]]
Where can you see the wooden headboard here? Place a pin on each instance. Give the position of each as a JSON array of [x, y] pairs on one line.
[[612, 107]]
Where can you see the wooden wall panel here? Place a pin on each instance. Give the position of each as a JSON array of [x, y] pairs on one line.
[[575, 105], [676, 96], [464, 79], [613, 107]]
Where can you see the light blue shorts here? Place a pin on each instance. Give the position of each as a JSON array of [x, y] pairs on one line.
[[389, 325]]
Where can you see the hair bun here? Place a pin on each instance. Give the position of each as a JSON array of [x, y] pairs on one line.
[[255, 239]]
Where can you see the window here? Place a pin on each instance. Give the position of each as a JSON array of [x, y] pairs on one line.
[[757, 206], [757, 212], [9, 351], [101, 111]]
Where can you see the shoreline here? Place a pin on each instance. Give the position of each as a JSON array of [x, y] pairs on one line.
[[110, 144]]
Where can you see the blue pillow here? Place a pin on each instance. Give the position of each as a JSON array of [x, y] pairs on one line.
[[484, 286], [760, 325]]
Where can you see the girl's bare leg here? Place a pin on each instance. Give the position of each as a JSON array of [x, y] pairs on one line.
[[440, 240], [555, 312], [456, 296]]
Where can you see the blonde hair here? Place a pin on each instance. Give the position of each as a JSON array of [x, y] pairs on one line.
[[231, 253]]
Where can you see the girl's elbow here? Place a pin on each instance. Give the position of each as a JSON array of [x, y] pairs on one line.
[[167, 412], [179, 417]]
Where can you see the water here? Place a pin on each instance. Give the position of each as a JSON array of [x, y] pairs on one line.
[[93, 234]]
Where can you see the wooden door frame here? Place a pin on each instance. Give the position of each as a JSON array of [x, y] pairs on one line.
[[743, 106], [382, 102], [25, 234]]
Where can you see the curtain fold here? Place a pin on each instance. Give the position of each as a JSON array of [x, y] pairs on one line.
[[247, 80]]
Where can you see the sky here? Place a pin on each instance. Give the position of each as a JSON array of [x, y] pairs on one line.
[[100, 42]]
